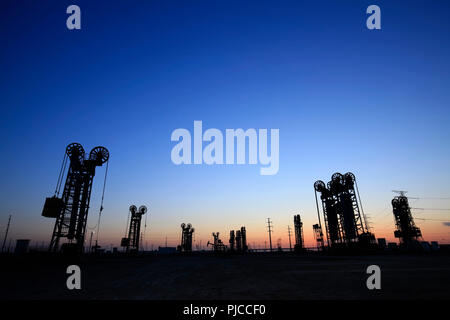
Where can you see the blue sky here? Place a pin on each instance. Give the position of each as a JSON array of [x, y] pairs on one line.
[[344, 98]]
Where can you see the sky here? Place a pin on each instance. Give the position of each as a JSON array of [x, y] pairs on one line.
[[344, 98]]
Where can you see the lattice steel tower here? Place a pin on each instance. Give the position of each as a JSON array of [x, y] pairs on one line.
[[406, 231], [218, 245], [134, 231], [186, 237], [318, 236], [232, 240], [345, 221], [71, 210], [298, 229], [244, 239]]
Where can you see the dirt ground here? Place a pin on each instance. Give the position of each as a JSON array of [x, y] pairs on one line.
[[207, 276]]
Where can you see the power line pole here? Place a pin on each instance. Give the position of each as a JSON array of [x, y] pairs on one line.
[[270, 226], [290, 244], [90, 242], [6, 234]]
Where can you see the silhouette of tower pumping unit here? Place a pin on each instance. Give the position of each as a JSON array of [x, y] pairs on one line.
[[232, 240], [244, 239], [318, 236], [132, 242], [333, 231], [186, 237], [238, 240], [298, 230], [345, 222], [407, 232], [218, 245], [71, 210]]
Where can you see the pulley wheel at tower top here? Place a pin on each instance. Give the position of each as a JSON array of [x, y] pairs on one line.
[[75, 150], [142, 209], [403, 200], [133, 208], [337, 177], [100, 154], [319, 185], [351, 176]]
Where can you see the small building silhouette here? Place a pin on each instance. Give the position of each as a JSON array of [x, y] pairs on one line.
[[22, 246]]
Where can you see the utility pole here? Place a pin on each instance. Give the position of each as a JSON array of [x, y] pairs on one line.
[[6, 234], [290, 244], [90, 242], [270, 226]]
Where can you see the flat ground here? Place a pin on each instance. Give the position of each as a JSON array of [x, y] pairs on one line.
[[253, 276]]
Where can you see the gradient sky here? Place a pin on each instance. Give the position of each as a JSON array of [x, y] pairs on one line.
[[344, 98]]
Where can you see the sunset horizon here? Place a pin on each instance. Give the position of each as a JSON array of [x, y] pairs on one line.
[[225, 158]]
